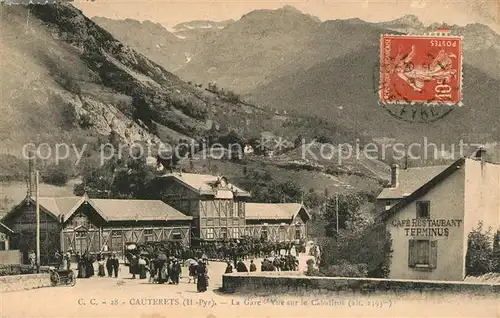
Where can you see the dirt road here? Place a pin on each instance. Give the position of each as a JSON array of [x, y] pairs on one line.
[[124, 297]]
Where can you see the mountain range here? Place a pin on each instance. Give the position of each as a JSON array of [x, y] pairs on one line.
[[66, 79], [286, 60]]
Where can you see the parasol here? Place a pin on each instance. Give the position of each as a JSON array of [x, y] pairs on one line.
[[131, 247], [190, 261]]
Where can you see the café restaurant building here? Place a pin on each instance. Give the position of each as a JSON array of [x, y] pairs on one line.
[[430, 211]]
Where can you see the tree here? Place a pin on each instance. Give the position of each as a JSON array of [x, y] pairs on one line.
[[479, 257], [127, 178], [348, 211], [369, 247], [496, 252], [57, 174]]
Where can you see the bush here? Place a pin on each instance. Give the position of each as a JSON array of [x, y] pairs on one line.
[[371, 246], [479, 258], [57, 174], [346, 269]]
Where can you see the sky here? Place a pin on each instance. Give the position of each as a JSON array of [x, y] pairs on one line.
[[170, 13]]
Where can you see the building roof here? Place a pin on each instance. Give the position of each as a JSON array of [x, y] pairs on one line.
[[409, 180], [273, 211], [60, 206], [423, 189], [139, 210], [203, 184], [111, 209], [5, 229]]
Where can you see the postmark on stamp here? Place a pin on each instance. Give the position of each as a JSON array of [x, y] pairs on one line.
[[420, 75]]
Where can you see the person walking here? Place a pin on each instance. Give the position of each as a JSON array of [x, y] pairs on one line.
[[32, 258], [202, 273], [134, 266], [176, 272], [109, 265], [67, 256], [193, 272], [80, 265], [116, 264], [100, 268]]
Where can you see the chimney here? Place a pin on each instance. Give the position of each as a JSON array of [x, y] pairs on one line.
[[479, 153], [394, 175]]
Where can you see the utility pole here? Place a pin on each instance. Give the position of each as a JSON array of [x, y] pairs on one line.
[[37, 221], [337, 211]]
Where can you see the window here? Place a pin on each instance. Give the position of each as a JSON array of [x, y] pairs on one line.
[[298, 233], [210, 233], [117, 233], [148, 235], [387, 205], [263, 234], [230, 208], [223, 233], [423, 209], [422, 254], [81, 235], [282, 233], [176, 234], [236, 232], [241, 209]]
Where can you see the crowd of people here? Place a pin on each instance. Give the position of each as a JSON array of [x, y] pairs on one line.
[[279, 263], [163, 261]]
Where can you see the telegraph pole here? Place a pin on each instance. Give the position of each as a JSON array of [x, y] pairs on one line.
[[37, 221], [337, 211]]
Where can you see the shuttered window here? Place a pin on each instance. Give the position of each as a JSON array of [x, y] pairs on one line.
[[422, 253]]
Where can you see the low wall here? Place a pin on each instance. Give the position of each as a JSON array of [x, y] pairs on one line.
[[23, 282], [297, 282]]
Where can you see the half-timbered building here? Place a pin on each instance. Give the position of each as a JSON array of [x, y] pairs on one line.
[[277, 222], [220, 209], [83, 224], [217, 207]]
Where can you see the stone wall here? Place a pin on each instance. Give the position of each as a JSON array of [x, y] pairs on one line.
[[23, 282], [283, 283]]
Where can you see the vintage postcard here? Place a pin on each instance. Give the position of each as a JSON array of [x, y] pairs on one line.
[[250, 158]]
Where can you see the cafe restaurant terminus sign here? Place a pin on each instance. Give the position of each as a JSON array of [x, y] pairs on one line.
[[427, 227]]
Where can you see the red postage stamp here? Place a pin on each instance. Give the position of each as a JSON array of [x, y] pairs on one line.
[[421, 69]]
